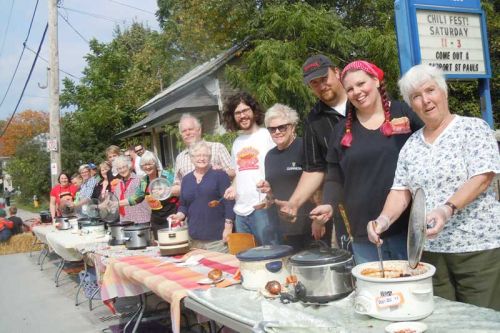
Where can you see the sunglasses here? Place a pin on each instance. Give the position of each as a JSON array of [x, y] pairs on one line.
[[280, 128]]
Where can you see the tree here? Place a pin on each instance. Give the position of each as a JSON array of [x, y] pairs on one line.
[[24, 127], [120, 76], [30, 170]]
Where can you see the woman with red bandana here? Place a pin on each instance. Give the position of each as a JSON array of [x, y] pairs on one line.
[[362, 158]]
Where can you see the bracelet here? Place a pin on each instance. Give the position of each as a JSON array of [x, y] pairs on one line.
[[452, 206], [228, 221]]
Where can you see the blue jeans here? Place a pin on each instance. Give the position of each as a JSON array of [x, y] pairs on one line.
[[393, 248], [260, 225]]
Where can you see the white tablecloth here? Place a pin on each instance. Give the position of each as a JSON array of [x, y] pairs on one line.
[[42, 230], [66, 243], [264, 315]]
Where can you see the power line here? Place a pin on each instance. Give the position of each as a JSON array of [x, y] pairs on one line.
[[102, 17], [45, 60], [129, 6], [21, 56], [74, 29], [27, 80], [7, 27]]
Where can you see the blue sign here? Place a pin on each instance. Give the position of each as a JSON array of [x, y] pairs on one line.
[[449, 34]]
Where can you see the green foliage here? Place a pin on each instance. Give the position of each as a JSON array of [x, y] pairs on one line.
[[226, 139], [119, 78], [29, 169]]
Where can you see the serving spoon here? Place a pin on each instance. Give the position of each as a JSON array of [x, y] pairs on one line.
[[215, 203], [379, 252]]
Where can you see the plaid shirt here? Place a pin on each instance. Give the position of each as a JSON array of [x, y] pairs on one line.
[[183, 164], [139, 213]]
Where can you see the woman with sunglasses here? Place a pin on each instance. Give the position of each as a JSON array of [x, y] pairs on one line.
[[283, 165]]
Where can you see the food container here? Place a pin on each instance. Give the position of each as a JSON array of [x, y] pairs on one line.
[[73, 221], [92, 227], [45, 217], [116, 232], [137, 236], [406, 292], [62, 223], [322, 274], [172, 241], [262, 264], [394, 298]]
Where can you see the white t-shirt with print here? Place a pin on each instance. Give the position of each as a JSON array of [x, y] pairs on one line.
[[465, 148], [248, 154]]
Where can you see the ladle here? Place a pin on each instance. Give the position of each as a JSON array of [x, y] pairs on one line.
[[379, 252], [215, 203]]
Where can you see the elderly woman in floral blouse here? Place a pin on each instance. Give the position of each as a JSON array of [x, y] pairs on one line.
[[453, 159]]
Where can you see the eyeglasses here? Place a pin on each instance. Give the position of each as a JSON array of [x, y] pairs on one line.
[[241, 112], [139, 150], [280, 128], [201, 156]]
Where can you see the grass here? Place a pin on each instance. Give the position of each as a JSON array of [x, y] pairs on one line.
[[44, 205]]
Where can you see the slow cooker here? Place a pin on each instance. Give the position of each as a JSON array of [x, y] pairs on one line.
[[137, 236], [323, 274], [92, 227], [394, 298], [406, 293], [116, 232], [262, 264], [172, 241]]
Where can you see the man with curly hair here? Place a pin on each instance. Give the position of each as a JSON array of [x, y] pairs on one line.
[[243, 113]]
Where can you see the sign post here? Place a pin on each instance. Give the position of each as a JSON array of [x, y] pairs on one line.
[[449, 34]]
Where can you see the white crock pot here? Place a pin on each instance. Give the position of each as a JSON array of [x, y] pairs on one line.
[[172, 241], [262, 264], [395, 299]]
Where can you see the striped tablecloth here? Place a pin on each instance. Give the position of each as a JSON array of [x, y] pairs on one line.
[[130, 276]]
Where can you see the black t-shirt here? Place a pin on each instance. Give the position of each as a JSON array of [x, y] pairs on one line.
[[366, 171], [318, 129], [283, 171]]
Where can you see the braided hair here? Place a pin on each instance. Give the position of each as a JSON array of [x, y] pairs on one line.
[[376, 72]]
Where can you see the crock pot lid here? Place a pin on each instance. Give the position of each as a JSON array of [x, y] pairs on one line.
[[265, 252], [417, 228], [320, 256], [91, 223], [121, 224], [136, 227]]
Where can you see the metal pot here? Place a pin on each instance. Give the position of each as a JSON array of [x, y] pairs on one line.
[[396, 299], [116, 232], [323, 274], [92, 227], [262, 264], [45, 217], [173, 241], [137, 236], [62, 223]]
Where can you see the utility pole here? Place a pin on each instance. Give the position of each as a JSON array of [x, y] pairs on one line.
[[54, 112]]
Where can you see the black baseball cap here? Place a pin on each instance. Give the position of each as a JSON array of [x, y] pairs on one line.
[[316, 66]]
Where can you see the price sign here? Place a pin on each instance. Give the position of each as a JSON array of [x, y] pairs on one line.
[[391, 299], [451, 41]]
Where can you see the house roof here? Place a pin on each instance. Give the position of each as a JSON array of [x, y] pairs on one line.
[[193, 76], [187, 93]]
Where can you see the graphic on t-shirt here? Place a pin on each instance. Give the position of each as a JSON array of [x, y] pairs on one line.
[[400, 125], [247, 159], [294, 167]]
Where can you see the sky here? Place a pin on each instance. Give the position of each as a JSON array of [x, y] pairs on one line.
[[90, 18]]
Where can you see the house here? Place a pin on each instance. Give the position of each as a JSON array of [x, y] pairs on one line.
[[200, 92]]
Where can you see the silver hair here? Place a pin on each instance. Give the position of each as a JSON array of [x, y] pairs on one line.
[[418, 75], [123, 160], [199, 146], [186, 116], [149, 157], [83, 167], [281, 111]]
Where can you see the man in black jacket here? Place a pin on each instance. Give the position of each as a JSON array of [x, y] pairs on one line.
[[323, 78]]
